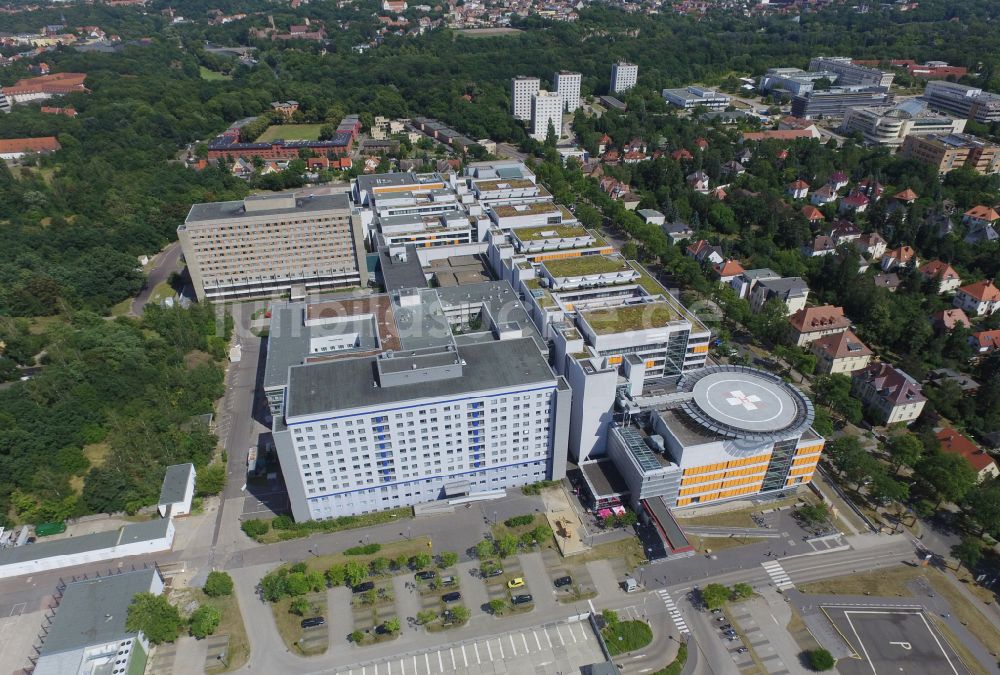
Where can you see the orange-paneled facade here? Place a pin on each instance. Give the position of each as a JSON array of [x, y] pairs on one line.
[[744, 476]]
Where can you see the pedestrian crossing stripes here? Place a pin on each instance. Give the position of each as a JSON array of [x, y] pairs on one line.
[[675, 613], [778, 575]]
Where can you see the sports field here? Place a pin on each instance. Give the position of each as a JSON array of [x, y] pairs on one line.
[[291, 132]]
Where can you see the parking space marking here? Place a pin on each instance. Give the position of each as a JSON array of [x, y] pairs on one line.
[[475, 645], [454, 665], [427, 661], [525, 641], [489, 649], [511, 636], [537, 641], [547, 638], [440, 662], [562, 642], [500, 644]]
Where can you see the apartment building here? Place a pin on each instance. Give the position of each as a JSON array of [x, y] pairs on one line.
[[889, 393], [408, 404], [270, 245], [692, 97], [546, 113], [840, 353], [953, 151], [522, 88], [889, 126], [836, 101], [792, 291], [568, 85], [624, 75], [958, 99], [850, 73]]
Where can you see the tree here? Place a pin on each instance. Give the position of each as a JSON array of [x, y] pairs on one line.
[[421, 561], [355, 572], [217, 584], [357, 637], [885, 489], [821, 660], [155, 617], [834, 392], [459, 614], [969, 551], [484, 549], [380, 566], [610, 617], [982, 504], [296, 583], [949, 476], [391, 625], [426, 616], [401, 561], [204, 621], [255, 527], [742, 591], [497, 606], [210, 480], [506, 545], [628, 519], [299, 606], [336, 575], [447, 559], [715, 595], [905, 449]]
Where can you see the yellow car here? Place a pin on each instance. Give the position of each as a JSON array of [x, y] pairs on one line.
[[516, 582]]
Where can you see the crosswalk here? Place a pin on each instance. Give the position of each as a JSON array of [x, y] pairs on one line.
[[778, 575], [675, 613]]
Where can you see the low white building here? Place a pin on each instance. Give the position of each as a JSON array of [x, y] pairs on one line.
[[177, 491], [151, 536], [979, 299], [88, 634]]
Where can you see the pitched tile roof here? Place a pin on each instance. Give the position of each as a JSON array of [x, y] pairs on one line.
[[821, 318], [842, 345], [983, 213], [938, 269], [893, 385], [987, 340], [906, 195], [729, 268], [949, 318], [983, 291], [812, 213], [40, 144], [959, 444]]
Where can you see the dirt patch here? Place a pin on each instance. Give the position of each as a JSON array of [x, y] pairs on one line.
[[195, 358]]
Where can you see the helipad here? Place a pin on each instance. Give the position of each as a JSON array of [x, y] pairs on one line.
[[735, 401]]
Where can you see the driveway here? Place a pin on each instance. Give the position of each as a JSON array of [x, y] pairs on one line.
[[164, 263]]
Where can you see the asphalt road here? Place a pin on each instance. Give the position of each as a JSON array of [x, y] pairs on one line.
[[165, 262]]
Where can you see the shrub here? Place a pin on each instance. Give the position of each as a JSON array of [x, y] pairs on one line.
[[742, 591], [715, 595], [821, 660], [391, 624], [379, 566], [210, 480], [367, 549], [484, 549], [356, 637], [255, 528], [426, 616], [204, 621], [218, 583], [282, 522], [420, 561], [497, 606], [299, 606], [154, 616], [519, 521], [447, 559], [336, 575]]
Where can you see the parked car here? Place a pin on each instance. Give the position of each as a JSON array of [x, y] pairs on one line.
[[716, 611], [742, 650], [313, 622], [454, 596], [447, 581], [521, 599], [726, 626], [516, 582], [425, 575], [563, 581], [495, 572], [364, 587]]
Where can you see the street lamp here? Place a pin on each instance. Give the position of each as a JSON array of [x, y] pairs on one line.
[[495, 517]]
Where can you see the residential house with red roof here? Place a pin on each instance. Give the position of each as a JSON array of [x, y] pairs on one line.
[[702, 251], [680, 155], [16, 148], [946, 319], [898, 257], [840, 353], [812, 323], [958, 444], [889, 393], [838, 180], [980, 216], [855, 202], [812, 214], [979, 299], [727, 270], [985, 341], [872, 245], [906, 196], [781, 135], [948, 279], [798, 189], [842, 231]]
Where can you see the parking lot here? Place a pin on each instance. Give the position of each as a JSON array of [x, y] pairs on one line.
[[893, 641], [552, 648]]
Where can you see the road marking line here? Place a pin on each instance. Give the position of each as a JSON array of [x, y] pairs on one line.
[[559, 633], [537, 641], [570, 628], [583, 632], [547, 638], [510, 636], [500, 644], [440, 662], [489, 649], [525, 641], [401, 668], [454, 666], [464, 657], [427, 662], [475, 646]]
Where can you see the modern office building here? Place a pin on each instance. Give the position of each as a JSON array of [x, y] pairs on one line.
[[958, 99], [269, 245], [692, 97], [795, 81], [836, 101], [568, 85], [88, 634], [623, 76], [546, 113], [424, 394], [521, 90], [850, 73], [951, 151], [716, 433], [889, 126]]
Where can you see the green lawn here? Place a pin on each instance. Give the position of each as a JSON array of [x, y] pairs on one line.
[[212, 75], [627, 636], [291, 132]]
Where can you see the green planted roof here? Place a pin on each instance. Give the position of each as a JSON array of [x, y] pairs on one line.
[[585, 265], [630, 317]]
